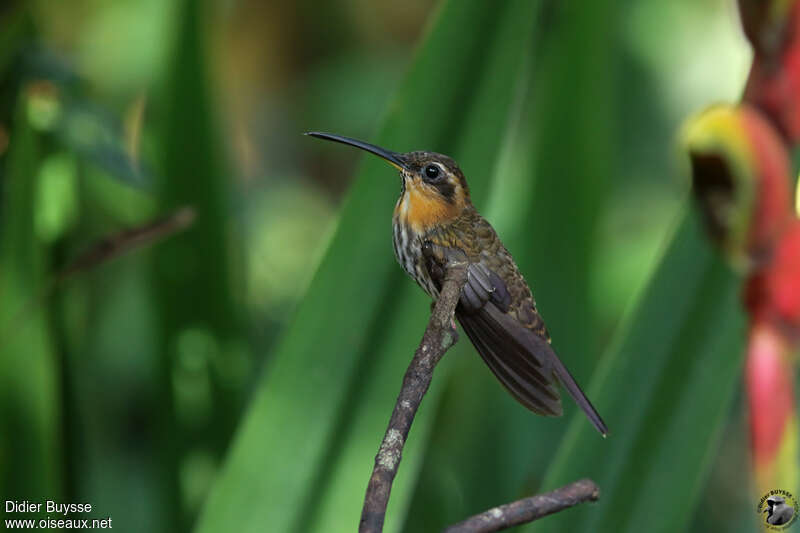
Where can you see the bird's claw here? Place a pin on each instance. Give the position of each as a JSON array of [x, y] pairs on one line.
[[453, 330]]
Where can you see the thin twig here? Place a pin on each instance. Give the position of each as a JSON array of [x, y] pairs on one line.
[[528, 509], [101, 252], [123, 241], [439, 336]]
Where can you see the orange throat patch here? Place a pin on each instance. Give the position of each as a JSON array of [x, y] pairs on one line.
[[420, 210]]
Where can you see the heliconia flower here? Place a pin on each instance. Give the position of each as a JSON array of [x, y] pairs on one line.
[[797, 197], [764, 23], [769, 377], [773, 28], [783, 280], [740, 171]]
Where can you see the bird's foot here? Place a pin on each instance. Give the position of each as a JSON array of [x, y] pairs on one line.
[[453, 330]]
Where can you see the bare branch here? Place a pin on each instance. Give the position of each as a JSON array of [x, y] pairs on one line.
[[528, 509], [101, 252], [119, 243], [439, 336]]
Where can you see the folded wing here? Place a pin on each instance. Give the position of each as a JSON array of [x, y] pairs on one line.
[[523, 361]]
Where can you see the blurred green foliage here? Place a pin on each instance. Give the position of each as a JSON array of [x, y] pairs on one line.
[[239, 375]]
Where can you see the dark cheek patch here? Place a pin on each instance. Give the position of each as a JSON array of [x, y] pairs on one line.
[[447, 190]]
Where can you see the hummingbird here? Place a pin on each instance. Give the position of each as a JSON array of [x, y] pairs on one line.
[[434, 222]]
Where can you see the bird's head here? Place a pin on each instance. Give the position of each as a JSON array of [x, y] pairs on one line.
[[773, 501], [433, 188]]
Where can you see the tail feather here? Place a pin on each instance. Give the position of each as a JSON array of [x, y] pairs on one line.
[[577, 394], [504, 343]]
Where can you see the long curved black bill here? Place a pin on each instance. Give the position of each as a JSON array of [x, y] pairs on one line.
[[392, 157]]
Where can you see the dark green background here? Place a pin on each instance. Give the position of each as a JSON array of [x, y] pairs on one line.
[[239, 375]]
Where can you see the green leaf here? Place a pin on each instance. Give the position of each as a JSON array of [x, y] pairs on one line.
[[16, 35], [29, 379], [665, 389], [339, 505], [310, 436], [195, 280], [546, 200]]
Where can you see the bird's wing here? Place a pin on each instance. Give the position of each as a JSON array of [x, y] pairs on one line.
[[523, 371], [523, 360]]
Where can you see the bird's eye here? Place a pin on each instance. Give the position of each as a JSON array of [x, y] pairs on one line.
[[432, 172]]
